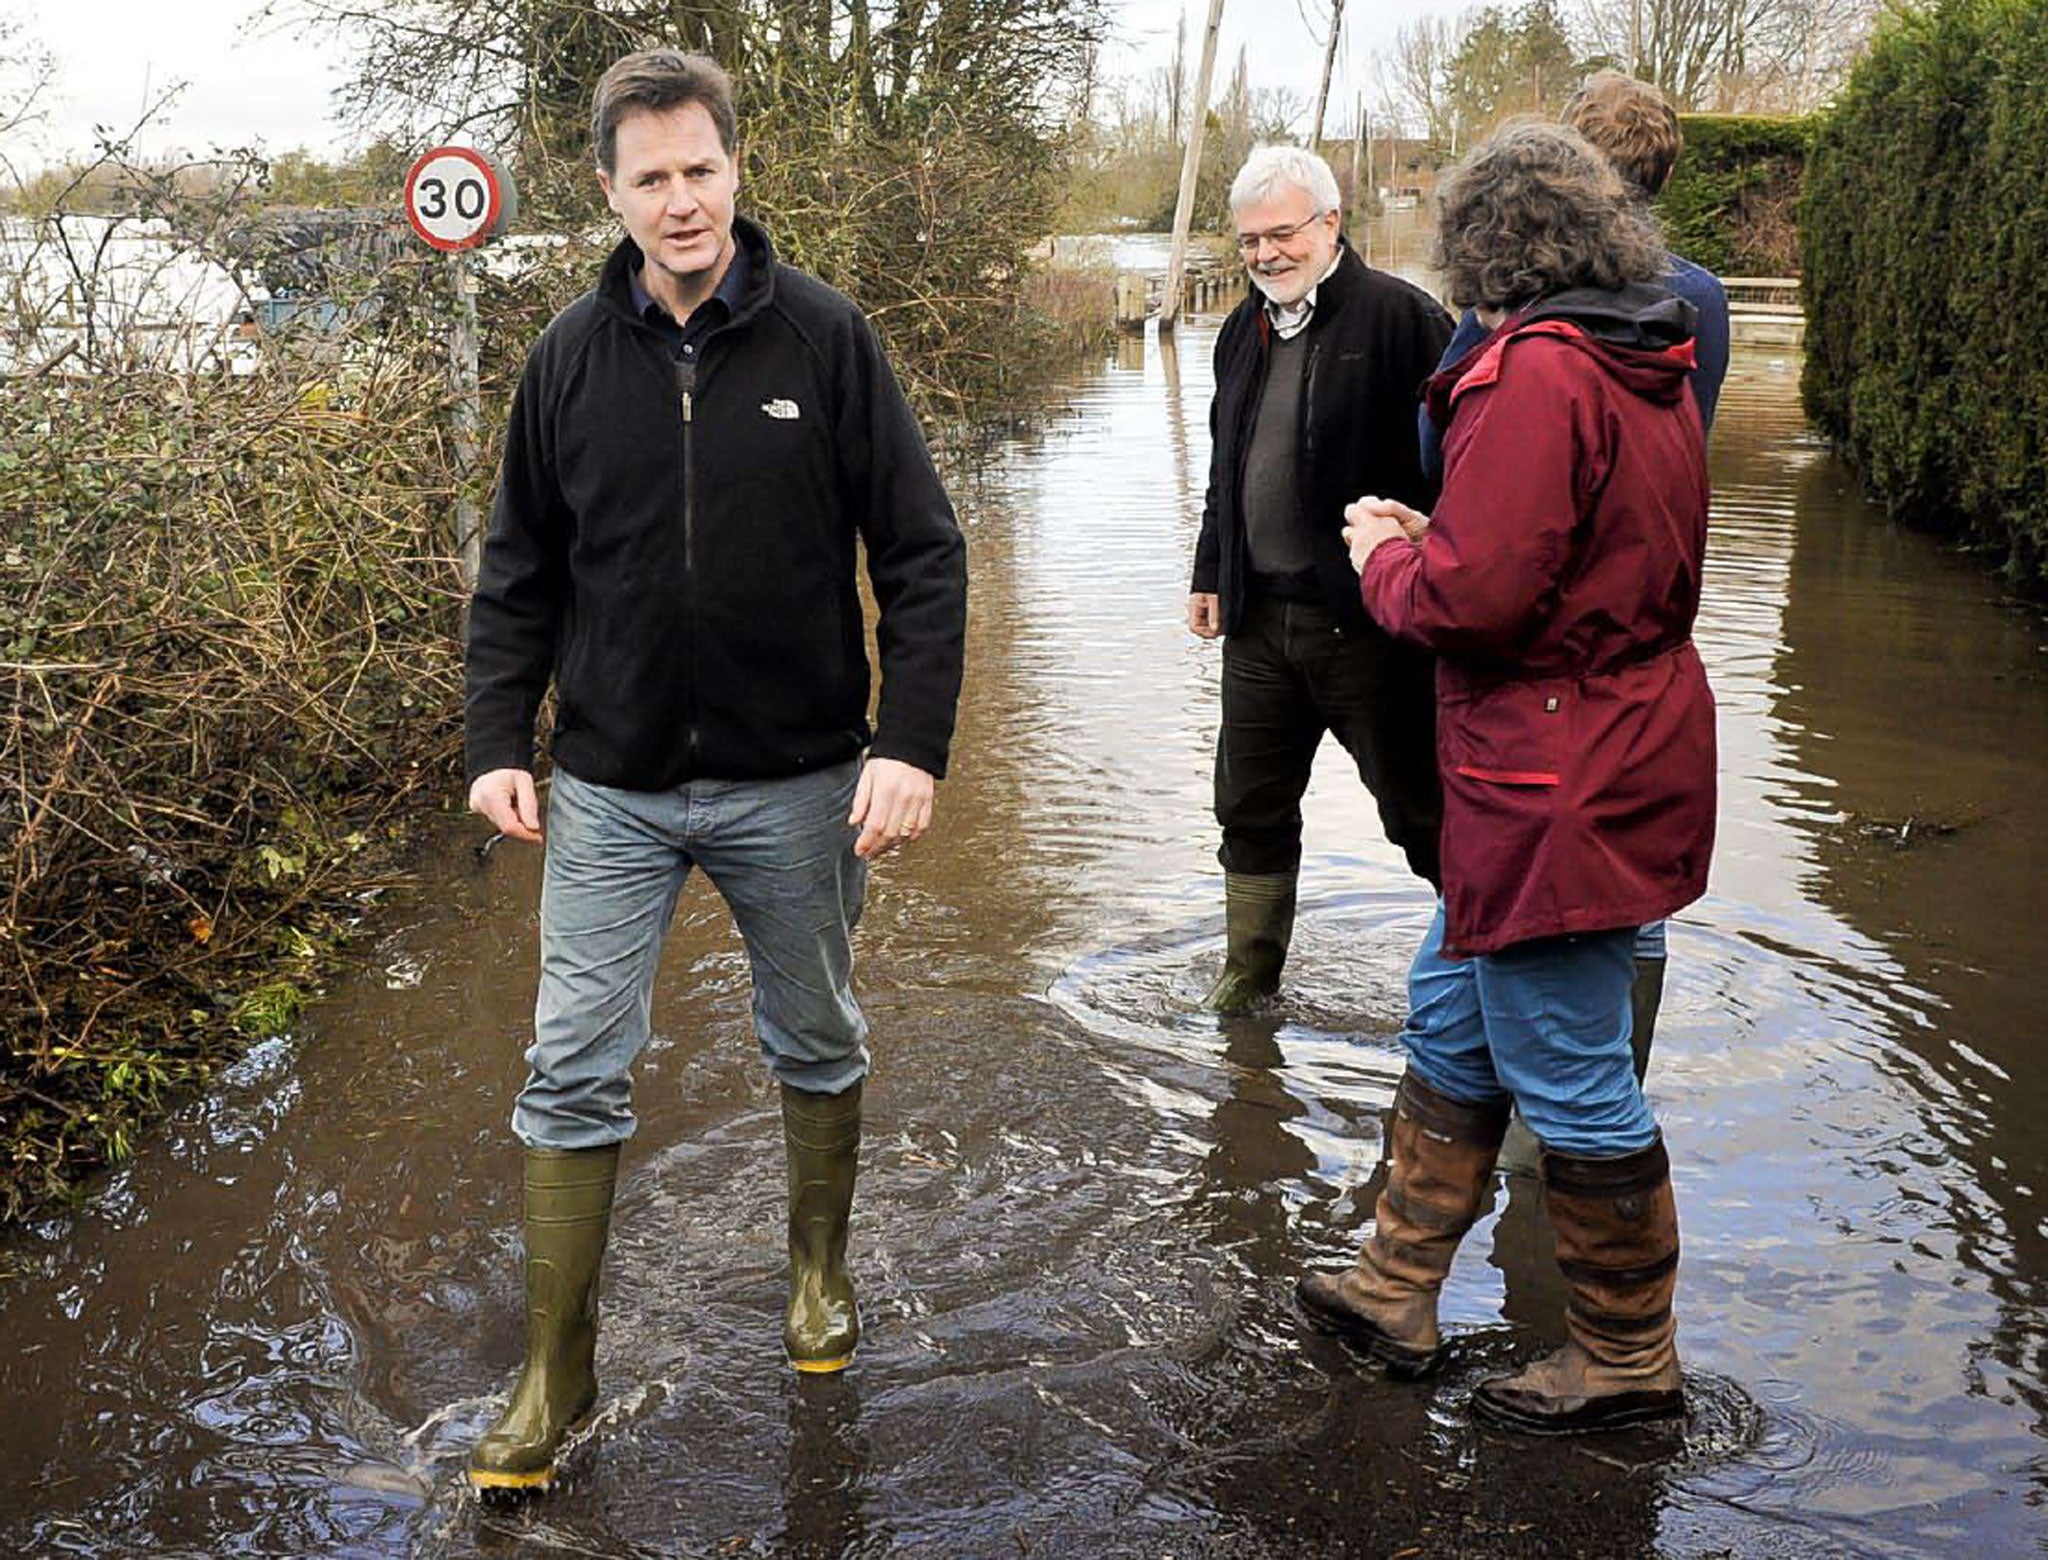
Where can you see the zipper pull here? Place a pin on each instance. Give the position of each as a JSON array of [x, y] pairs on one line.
[[686, 383]]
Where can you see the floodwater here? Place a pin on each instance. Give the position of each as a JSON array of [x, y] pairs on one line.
[[1083, 1204]]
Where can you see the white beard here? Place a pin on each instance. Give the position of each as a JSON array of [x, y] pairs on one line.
[[1266, 288]]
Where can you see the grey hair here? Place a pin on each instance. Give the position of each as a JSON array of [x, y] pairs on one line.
[[1535, 210], [1270, 167]]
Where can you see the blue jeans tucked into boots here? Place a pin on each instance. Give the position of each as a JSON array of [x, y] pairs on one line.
[[781, 854], [1546, 1023]]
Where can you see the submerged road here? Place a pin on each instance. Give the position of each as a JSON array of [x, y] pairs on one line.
[[1083, 1204]]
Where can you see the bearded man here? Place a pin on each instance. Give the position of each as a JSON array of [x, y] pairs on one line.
[[1318, 373]]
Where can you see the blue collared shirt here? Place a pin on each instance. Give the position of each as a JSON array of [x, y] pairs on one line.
[[687, 338]]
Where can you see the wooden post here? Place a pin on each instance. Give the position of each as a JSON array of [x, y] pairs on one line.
[[1315, 134], [1130, 301], [468, 415], [1190, 170]]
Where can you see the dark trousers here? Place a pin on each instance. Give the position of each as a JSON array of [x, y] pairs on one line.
[[1289, 676]]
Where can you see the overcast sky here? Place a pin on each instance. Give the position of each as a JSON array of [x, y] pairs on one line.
[[244, 86]]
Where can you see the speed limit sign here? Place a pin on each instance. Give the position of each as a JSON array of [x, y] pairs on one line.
[[456, 197]]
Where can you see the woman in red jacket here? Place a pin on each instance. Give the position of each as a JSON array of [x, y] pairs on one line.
[[1557, 581]]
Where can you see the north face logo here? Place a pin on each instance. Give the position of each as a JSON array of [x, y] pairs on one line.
[[781, 411]]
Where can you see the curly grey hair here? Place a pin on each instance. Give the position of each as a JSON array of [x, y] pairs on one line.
[[1535, 210]]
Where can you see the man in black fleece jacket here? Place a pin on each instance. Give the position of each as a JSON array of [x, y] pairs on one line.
[[698, 450], [1317, 376]]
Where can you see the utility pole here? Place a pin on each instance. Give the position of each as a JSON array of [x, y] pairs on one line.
[[1190, 170], [1361, 136], [1329, 61], [1179, 87]]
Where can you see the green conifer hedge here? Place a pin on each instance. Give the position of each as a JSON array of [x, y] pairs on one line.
[[1731, 202], [1924, 231]]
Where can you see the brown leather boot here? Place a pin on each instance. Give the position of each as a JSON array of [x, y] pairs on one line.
[[1617, 1242], [1440, 1154]]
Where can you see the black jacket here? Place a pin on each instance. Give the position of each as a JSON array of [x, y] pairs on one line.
[[676, 548], [1372, 343]]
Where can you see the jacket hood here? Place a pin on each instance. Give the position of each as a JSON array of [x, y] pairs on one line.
[[1640, 335], [616, 292], [1639, 316]]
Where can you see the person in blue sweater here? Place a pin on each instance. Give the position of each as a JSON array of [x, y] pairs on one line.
[[1635, 127]]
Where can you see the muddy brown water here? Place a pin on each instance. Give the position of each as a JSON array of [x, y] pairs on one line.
[[1082, 1206]]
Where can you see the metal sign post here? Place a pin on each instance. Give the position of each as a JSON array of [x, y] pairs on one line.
[[456, 199], [468, 416]]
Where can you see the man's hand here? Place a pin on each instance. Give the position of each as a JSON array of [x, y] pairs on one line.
[[1205, 614], [1371, 521], [892, 806], [507, 798]]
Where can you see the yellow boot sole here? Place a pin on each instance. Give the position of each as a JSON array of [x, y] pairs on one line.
[[822, 1367], [540, 1479]]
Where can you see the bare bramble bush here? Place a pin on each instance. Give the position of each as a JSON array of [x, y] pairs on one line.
[[228, 647]]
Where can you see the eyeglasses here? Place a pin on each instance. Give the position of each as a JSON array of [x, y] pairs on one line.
[[1248, 243]]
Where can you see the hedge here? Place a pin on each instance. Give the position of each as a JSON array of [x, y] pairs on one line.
[[1731, 201], [1925, 238]]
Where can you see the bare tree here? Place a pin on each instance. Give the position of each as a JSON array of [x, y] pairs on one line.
[[1729, 54], [1414, 76], [28, 73], [1807, 51]]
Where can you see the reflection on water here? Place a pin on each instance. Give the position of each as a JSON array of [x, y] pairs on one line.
[[1082, 1203]]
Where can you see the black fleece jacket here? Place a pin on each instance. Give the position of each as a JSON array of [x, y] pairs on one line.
[[1372, 343], [676, 547]]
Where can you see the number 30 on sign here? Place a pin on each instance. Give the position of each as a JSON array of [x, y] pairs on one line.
[[456, 197]]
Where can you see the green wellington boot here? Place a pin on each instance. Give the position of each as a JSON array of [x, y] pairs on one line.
[[1258, 920], [568, 1210], [1520, 1154], [822, 1134]]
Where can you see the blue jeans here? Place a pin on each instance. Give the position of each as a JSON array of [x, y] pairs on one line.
[[781, 854], [1546, 1023]]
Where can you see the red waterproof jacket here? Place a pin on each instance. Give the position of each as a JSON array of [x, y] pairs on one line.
[[1558, 584]]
